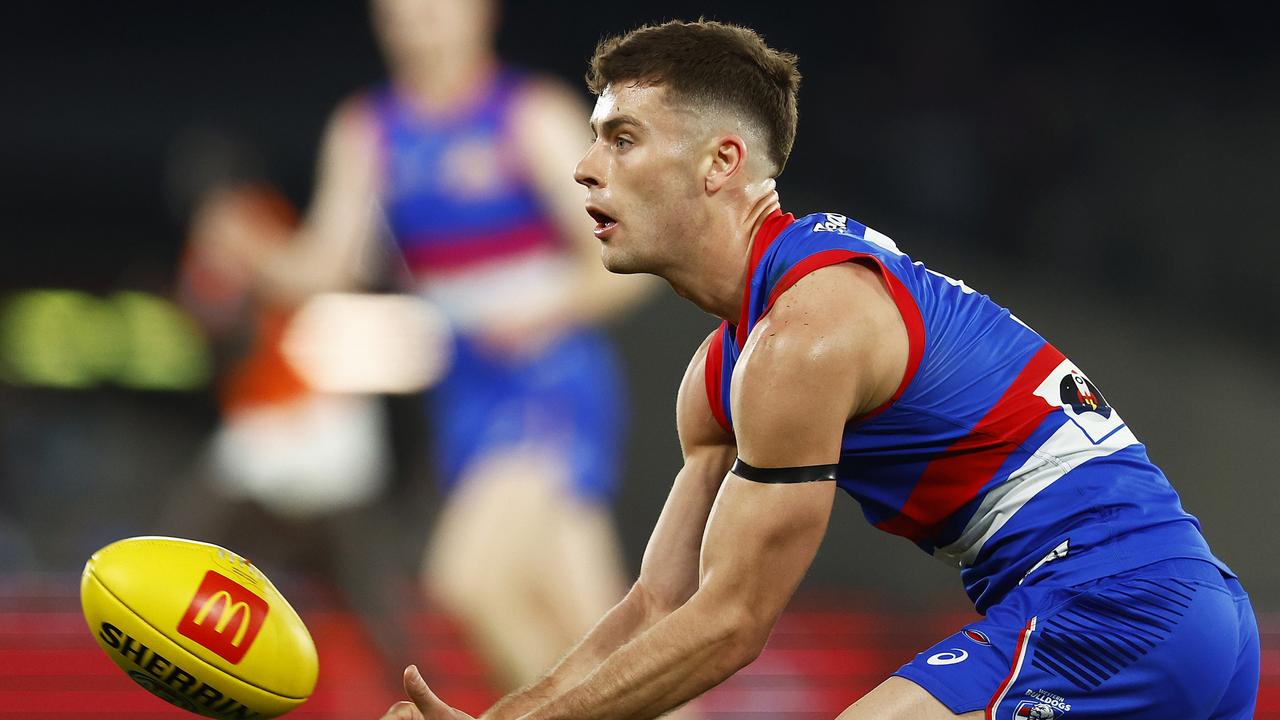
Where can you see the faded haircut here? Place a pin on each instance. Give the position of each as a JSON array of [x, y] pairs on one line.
[[710, 63]]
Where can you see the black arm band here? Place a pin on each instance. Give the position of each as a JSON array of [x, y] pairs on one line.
[[803, 474]]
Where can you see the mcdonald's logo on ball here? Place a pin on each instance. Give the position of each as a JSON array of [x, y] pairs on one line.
[[224, 616], [199, 627]]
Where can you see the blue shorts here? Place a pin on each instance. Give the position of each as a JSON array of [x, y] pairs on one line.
[[1175, 639], [569, 399]]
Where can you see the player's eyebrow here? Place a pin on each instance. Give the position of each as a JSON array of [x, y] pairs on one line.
[[610, 126]]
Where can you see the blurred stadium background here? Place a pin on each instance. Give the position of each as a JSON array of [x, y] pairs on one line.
[[1107, 170]]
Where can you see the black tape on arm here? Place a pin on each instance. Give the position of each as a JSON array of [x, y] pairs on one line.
[[802, 474]]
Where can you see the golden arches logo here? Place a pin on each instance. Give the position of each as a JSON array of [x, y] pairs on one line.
[[229, 610], [219, 602]]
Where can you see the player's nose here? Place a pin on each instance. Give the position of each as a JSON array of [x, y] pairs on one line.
[[587, 173]]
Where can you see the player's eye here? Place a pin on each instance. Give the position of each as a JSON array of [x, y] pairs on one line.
[[622, 142]]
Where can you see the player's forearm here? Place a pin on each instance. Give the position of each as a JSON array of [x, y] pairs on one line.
[[682, 656], [624, 621]]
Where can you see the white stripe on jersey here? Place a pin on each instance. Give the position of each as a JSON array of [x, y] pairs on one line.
[[1068, 448], [498, 288]]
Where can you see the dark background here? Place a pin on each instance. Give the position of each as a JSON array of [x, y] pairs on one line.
[[1107, 172]]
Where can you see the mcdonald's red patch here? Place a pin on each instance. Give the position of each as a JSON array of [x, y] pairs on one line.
[[224, 616]]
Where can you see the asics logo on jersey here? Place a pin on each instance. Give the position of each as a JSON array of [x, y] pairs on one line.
[[955, 655]]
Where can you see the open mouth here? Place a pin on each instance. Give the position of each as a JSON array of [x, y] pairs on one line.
[[604, 221]]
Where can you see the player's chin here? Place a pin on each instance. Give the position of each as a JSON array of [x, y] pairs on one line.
[[616, 261], [613, 259]]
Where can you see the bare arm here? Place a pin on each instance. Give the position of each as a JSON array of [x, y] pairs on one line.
[[669, 571], [833, 347], [806, 369], [339, 227]]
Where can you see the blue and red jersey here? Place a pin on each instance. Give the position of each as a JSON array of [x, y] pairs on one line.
[[468, 220], [996, 453], [456, 196]]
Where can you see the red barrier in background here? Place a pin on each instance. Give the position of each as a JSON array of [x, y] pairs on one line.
[[826, 651]]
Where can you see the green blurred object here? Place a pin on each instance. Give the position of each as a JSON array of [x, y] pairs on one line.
[[72, 340]]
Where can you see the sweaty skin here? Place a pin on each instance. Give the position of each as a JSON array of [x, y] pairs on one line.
[[727, 553]]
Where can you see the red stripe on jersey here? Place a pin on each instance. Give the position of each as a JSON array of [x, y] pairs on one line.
[[714, 373], [772, 226], [902, 298], [957, 475], [450, 254], [1015, 668]]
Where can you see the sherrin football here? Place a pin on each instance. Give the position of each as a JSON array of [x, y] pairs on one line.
[[199, 626]]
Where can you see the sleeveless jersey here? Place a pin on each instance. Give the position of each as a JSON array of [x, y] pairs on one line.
[[469, 224], [462, 209], [996, 453]]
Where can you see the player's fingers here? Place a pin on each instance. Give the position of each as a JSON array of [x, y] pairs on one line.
[[432, 707], [403, 710]]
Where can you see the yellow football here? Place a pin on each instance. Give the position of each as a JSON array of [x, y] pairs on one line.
[[198, 626]]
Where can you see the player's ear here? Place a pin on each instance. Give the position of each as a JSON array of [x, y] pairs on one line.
[[728, 157]]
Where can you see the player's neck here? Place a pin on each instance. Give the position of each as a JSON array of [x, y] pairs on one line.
[[708, 286], [716, 279]]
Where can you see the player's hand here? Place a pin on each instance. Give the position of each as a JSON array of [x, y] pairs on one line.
[[422, 704]]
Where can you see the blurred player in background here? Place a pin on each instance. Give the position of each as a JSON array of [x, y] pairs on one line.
[[282, 444], [466, 161], [286, 453], [840, 362], [292, 472]]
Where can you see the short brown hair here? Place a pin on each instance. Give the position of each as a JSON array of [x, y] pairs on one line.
[[712, 62]]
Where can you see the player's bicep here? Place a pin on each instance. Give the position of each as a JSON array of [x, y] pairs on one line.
[[825, 351], [831, 348], [793, 390], [791, 394]]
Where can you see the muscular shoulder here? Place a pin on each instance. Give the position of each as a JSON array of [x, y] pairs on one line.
[[832, 347]]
